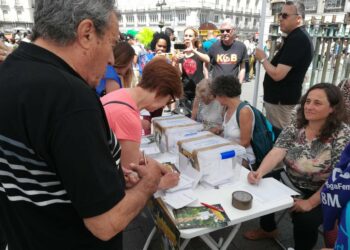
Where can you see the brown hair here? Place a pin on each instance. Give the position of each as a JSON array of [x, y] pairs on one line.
[[123, 56], [195, 31], [334, 119], [161, 77]]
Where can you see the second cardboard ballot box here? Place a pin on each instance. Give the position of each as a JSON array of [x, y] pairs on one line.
[[212, 156], [167, 129]]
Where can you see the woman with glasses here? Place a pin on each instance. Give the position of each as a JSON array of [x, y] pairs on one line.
[[160, 85], [120, 74]]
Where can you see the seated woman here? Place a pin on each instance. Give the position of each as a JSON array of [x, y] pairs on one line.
[[310, 148], [210, 112], [227, 90], [120, 74], [160, 85]]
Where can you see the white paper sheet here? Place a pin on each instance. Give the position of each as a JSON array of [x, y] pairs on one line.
[[180, 199]]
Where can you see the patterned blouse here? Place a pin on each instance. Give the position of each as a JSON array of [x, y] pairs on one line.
[[309, 163]]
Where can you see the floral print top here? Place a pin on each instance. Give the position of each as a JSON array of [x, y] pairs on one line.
[[309, 163]]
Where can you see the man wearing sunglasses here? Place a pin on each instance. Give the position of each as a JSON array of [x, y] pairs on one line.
[[228, 56], [286, 71]]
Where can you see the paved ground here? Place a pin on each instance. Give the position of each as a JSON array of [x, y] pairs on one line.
[[136, 234]]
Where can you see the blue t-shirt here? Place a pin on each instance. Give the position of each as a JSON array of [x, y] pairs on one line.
[[111, 74], [335, 198]]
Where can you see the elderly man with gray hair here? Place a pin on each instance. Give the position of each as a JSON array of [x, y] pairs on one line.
[[61, 184], [228, 56]]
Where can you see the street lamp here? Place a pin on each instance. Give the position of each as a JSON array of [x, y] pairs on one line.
[[161, 22]]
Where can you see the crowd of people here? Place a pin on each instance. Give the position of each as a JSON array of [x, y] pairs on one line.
[[71, 171]]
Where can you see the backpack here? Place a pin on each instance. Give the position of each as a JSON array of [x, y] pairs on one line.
[[264, 134]]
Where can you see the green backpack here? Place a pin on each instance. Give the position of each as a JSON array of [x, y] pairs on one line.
[[264, 134]]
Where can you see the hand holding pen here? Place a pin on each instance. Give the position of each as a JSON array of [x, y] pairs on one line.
[[253, 176]]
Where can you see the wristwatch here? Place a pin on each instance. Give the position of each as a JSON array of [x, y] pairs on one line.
[[262, 60]]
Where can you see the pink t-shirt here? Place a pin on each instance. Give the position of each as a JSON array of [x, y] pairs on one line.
[[123, 120]]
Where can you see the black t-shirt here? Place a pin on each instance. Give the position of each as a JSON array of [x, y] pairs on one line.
[[56, 166], [297, 52], [226, 60], [192, 74]]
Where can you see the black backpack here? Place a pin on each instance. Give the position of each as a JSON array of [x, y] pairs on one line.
[[264, 134]]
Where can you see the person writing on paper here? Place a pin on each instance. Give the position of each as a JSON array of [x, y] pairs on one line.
[[61, 184], [310, 148], [210, 111], [227, 90], [160, 85]]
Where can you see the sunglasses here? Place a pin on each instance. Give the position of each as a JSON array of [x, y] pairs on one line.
[[172, 100], [227, 31], [286, 15]]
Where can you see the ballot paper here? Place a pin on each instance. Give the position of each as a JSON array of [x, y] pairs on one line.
[[150, 149], [268, 184], [180, 199], [185, 182]]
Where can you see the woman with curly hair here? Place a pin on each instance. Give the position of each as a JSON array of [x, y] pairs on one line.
[[310, 148], [160, 45], [227, 90]]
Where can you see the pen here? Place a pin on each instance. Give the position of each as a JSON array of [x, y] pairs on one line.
[[212, 207], [144, 157], [251, 169]]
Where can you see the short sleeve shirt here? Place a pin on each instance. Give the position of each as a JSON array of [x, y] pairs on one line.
[[309, 163], [58, 158], [226, 60], [123, 120], [296, 52]]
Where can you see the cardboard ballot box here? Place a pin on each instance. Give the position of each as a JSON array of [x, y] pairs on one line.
[[167, 129], [212, 156]]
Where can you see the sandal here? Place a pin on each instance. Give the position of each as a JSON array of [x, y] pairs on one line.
[[260, 234]]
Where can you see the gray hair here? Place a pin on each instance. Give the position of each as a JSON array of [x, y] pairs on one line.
[[57, 20], [228, 21], [299, 6]]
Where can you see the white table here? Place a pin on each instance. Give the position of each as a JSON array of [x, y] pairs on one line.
[[270, 196]]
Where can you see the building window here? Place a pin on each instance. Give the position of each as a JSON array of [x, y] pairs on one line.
[[216, 19], [181, 17], [203, 18], [141, 18], [255, 21], [246, 21], [310, 5], [216, 2], [334, 5], [167, 17], [153, 18], [129, 18], [228, 3], [237, 21]]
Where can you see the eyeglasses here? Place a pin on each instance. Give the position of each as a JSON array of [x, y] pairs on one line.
[[172, 100], [227, 31], [286, 15]]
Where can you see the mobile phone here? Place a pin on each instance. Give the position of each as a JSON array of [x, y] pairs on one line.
[[180, 46]]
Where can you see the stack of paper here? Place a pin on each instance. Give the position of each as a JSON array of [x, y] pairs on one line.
[[180, 198]]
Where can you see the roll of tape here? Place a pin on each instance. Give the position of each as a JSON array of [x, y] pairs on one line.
[[242, 200]]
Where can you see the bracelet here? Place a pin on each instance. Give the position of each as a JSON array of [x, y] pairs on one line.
[[262, 60]]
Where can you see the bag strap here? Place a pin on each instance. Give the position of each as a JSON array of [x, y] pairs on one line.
[[240, 106], [120, 102]]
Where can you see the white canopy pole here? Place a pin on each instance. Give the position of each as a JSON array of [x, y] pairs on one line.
[[260, 45]]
